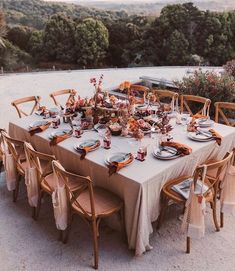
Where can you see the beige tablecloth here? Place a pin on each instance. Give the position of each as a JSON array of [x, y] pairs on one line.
[[140, 183]]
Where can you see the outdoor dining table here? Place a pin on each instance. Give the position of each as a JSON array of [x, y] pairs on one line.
[[140, 183]]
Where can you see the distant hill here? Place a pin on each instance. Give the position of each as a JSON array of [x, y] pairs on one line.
[[154, 7], [35, 13]]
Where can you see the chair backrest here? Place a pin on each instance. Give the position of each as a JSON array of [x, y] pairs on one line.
[[35, 159], [195, 101], [68, 92], [218, 167], [84, 183], [31, 99], [1, 143], [15, 147], [219, 107], [162, 95], [138, 92]]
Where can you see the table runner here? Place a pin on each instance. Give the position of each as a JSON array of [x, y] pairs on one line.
[[139, 184]]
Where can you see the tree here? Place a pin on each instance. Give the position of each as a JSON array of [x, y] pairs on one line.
[[58, 42], [177, 48], [91, 42], [20, 36], [36, 45], [2, 29]]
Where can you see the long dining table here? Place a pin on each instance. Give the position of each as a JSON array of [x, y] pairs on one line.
[[139, 184]]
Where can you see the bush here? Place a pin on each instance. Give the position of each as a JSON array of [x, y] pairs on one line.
[[218, 88], [229, 67]]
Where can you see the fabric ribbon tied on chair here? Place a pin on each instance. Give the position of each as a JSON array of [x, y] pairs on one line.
[[32, 186], [11, 173], [194, 215], [228, 191]]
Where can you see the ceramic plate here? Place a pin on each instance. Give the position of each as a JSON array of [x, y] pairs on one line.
[[166, 153], [119, 157], [201, 137]]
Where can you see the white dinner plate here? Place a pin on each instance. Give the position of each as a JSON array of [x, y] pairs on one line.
[[119, 157], [59, 133], [199, 137], [166, 153], [88, 143]]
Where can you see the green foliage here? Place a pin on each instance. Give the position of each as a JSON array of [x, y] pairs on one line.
[[78, 36], [91, 42], [177, 47], [12, 58], [20, 36], [58, 41]]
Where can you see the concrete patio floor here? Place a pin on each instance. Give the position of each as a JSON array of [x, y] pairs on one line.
[[28, 245]]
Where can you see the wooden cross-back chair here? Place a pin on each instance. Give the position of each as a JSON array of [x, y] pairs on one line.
[[219, 107], [195, 101], [33, 99], [164, 94], [90, 203], [68, 92], [138, 92], [16, 149], [168, 195], [43, 164]]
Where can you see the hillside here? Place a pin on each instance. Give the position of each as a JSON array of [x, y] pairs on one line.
[[36, 12], [152, 7]]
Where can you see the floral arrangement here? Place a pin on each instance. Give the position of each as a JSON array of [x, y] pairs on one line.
[[163, 126], [98, 96]]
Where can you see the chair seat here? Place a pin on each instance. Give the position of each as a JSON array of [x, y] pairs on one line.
[[105, 202], [49, 184], [167, 189]]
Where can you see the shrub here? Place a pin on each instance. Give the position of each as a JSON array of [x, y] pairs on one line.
[[210, 85], [230, 67]]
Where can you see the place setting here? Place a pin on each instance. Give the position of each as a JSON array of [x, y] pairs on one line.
[[86, 146]]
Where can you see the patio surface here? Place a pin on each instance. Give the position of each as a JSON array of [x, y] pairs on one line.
[[28, 245]]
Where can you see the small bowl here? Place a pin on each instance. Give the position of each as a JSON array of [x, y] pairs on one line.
[[115, 132]]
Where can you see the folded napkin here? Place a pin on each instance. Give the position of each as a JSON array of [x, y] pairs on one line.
[[181, 148], [199, 116], [57, 139], [216, 136], [85, 150], [38, 129], [116, 166]]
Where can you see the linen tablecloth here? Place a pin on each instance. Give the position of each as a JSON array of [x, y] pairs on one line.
[[139, 184]]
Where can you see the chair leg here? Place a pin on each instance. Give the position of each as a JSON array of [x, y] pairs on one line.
[[1, 165], [221, 220], [122, 215], [164, 205], [34, 212], [40, 196], [95, 244], [215, 216], [65, 233], [188, 245], [16, 190]]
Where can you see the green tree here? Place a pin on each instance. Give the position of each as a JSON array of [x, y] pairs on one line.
[[91, 42], [58, 42], [36, 45], [177, 48], [19, 36]]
